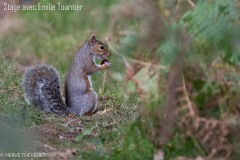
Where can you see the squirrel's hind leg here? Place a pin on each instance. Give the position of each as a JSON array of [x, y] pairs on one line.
[[83, 105], [91, 103]]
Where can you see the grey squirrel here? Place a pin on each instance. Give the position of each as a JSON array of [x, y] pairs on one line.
[[41, 83]]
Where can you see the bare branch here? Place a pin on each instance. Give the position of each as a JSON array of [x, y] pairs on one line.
[[191, 3], [134, 60]]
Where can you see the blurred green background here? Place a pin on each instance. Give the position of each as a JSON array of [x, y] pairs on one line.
[[150, 41]]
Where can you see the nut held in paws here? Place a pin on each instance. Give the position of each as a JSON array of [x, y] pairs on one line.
[[104, 61]]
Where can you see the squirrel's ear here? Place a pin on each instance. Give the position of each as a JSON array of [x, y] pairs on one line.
[[93, 40]]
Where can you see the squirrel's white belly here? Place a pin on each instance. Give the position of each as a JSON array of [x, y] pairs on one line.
[[90, 82]]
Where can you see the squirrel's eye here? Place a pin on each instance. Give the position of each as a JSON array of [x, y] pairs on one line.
[[101, 47]]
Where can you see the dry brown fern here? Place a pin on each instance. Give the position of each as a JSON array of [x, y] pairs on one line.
[[210, 133]]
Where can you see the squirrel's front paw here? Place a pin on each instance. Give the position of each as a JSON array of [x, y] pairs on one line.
[[106, 65]]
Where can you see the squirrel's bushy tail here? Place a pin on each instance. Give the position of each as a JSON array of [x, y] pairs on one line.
[[42, 89]]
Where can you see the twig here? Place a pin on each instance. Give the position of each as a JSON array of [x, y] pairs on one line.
[[127, 32], [177, 6], [191, 3], [69, 121], [216, 61], [104, 80], [134, 60], [126, 63], [189, 104]]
